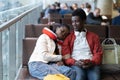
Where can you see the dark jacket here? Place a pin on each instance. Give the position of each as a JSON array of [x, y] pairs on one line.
[[116, 20], [91, 19]]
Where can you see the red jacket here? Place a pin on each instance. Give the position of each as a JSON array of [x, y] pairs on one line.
[[94, 43]]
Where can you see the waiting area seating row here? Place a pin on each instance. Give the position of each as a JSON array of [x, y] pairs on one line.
[[32, 32], [28, 46], [66, 18], [57, 16], [110, 31]]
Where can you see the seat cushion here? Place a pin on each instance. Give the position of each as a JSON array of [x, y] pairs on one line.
[[24, 75]]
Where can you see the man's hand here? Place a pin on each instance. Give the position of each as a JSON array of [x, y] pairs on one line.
[[103, 23], [87, 64], [79, 63], [84, 63]]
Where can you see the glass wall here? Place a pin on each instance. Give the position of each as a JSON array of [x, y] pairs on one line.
[[9, 9], [8, 4], [11, 36]]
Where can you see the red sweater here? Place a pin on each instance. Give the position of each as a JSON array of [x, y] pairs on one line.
[[94, 43]]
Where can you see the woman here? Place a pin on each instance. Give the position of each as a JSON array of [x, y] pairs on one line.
[[45, 58]]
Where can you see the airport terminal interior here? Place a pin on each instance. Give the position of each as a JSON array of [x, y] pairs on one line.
[[22, 21]]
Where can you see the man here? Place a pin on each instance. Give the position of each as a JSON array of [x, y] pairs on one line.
[[116, 20], [87, 8], [82, 49], [74, 6], [95, 18], [64, 9]]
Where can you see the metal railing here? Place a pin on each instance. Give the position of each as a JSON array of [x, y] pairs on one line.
[[11, 13], [11, 35]]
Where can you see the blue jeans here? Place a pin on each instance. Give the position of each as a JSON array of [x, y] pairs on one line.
[[40, 70], [92, 73]]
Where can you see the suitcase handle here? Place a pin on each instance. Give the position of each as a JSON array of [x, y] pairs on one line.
[[109, 41]]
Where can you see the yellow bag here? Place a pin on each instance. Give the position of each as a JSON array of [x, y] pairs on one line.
[[56, 77]]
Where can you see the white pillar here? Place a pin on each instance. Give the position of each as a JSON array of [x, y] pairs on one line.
[[105, 6]]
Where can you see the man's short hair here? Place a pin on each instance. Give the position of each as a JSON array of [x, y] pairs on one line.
[[79, 12]]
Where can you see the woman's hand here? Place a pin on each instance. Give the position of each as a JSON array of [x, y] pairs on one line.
[[60, 63]]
